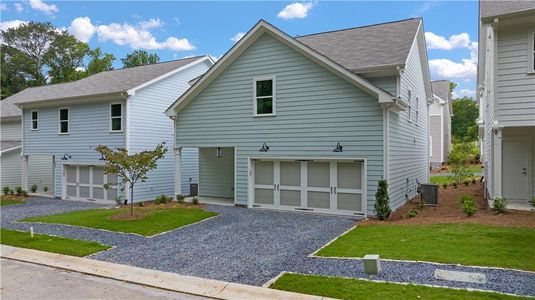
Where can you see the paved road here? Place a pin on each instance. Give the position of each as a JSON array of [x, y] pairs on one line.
[[21, 280]]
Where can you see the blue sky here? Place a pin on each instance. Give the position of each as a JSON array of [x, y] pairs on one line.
[[175, 29]]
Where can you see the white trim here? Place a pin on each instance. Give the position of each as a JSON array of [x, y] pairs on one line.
[[259, 29], [178, 171], [68, 120], [32, 120], [132, 91], [235, 172], [409, 102], [386, 142], [110, 117], [442, 137], [273, 96]]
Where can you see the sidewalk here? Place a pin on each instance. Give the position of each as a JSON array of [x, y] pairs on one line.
[[151, 278]]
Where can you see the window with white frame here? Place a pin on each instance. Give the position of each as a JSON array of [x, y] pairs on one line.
[[63, 120], [409, 102], [416, 110], [264, 96], [116, 117], [35, 120], [531, 52]]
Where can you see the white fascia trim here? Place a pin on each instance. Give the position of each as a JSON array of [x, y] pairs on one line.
[[440, 100], [133, 90], [11, 149], [264, 27]]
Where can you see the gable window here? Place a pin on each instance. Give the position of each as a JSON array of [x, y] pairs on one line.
[[116, 117], [264, 96], [35, 120], [409, 100], [63, 120], [416, 110]]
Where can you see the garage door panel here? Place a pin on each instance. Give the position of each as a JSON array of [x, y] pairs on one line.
[[71, 174], [319, 199], [98, 193], [318, 174], [264, 172], [264, 196], [290, 198], [84, 175], [349, 175], [84, 192], [87, 182], [98, 176], [111, 194], [290, 173], [71, 191], [349, 201]]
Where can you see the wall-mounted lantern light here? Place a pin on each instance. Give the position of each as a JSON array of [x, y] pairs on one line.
[[66, 156], [264, 148], [338, 148]]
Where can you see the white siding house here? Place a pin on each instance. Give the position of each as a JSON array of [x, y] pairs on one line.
[[119, 108], [506, 98], [440, 113], [311, 123]]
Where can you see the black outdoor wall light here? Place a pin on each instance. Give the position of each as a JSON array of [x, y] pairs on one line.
[[66, 156], [264, 148], [338, 148]]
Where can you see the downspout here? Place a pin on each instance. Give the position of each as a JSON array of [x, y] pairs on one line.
[[386, 138], [126, 187]]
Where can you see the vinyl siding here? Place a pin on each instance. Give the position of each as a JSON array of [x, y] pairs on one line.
[[435, 130], [515, 105], [10, 130], [408, 146], [89, 127], [149, 126], [315, 110], [216, 174], [11, 169], [488, 110], [387, 83], [190, 165]]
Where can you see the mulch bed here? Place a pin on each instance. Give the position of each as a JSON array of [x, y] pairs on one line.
[[449, 211]]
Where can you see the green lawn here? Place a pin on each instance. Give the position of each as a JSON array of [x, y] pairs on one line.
[[50, 243], [344, 288], [10, 202], [156, 221], [475, 168], [468, 244], [446, 179]]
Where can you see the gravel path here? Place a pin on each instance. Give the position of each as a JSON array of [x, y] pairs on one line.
[[250, 246]]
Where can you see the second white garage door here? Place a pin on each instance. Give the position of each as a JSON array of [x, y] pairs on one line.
[[87, 182], [329, 186]]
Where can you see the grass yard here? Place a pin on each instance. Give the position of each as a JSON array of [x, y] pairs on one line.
[[11, 200], [50, 243], [446, 179], [150, 220], [345, 288], [467, 244]]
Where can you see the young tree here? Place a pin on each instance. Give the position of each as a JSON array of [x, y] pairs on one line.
[[382, 201], [131, 168], [99, 61], [139, 58]]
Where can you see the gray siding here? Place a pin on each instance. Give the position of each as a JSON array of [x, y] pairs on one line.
[[315, 110], [189, 165], [408, 146], [436, 142], [11, 169], [149, 126], [11, 130], [387, 83], [216, 174]]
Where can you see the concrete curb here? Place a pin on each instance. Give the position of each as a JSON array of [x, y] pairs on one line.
[[157, 279]]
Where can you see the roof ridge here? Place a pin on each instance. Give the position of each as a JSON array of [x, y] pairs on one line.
[[359, 27]]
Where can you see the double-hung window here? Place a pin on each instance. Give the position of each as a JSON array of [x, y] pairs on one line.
[[63, 120], [409, 100], [35, 120], [264, 96], [116, 117]]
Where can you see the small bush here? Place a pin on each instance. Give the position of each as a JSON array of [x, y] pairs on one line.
[[454, 185], [382, 201], [467, 182], [161, 199], [33, 188], [6, 190], [180, 198], [195, 200], [11, 192], [468, 205], [45, 188], [412, 213], [119, 199], [18, 190], [500, 204], [445, 185], [24, 193], [533, 201], [474, 181]]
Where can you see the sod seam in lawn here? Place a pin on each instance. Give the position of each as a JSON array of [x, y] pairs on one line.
[[50, 243], [156, 221], [467, 244], [349, 288]]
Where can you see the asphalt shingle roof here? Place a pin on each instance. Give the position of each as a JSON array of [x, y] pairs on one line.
[[8, 108], [115, 81], [366, 47], [496, 8], [441, 88]]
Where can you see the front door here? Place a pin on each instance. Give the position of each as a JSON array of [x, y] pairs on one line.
[[515, 176]]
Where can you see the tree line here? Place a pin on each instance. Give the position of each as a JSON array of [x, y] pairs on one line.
[[37, 53], [464, 120]]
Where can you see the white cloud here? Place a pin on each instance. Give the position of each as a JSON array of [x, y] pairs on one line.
[[177, 20], [151, 23], [296, 10], [43, 7], [82, 29], [3, 6], [464, 93], [448, 69], [18, 7], [11, 24], [456, 41], [237, 36]]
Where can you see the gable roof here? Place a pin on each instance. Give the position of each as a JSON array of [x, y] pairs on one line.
[[8, 109], [441, 88], [103, 83], [494, 8], [362, 48], [263, 27]]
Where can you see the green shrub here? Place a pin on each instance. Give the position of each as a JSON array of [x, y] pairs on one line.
[[6, 190], [412, 213], [11, 192], [18, 190], [161, 199], [474, 181], [180, 198], [459, 158], [500, 204], [445, 185], [33, 188], [382, 201], [24, 193], [468, 205], [454, 184], [467, 182], [195, 200], [45, 188], [533, 201], [119, 199]]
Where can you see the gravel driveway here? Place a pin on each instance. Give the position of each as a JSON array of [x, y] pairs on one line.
[[250, 246]]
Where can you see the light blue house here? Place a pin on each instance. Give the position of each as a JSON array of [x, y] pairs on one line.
[[310, 123], [121, 109]]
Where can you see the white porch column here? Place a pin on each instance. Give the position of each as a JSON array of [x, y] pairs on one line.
[[53, 187], [178, 173], [24, 183], [498, 163]]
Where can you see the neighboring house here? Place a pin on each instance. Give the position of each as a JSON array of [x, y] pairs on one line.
[[119, 108], [506, 98], [311, 123], [11, 144], [440, 112]]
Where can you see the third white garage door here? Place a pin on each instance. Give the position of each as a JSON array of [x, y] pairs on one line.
[[328, 186]]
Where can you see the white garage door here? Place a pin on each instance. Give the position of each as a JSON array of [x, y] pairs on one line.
[[310, 185], [87, 182]]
